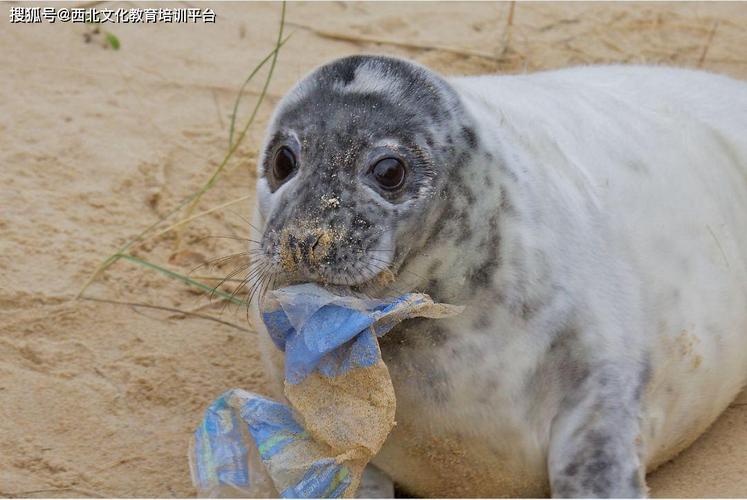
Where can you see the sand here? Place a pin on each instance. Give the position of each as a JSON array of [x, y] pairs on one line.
[[101, 399]]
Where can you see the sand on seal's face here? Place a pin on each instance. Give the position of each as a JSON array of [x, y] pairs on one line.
[[101, 399]]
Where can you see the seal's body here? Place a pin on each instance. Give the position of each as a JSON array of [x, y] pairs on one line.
[[592, 220]]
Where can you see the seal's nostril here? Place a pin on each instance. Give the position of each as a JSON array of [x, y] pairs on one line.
[[292, 243], [304, 249], [315, 241]]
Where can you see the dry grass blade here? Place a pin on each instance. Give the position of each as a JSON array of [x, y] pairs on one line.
[[201, 214], [218, 278], [332, 35], [707, 46], [26, 493], [169, 309], [509, 29]]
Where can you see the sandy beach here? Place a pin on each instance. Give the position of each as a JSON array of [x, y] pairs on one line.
[[100, 399]]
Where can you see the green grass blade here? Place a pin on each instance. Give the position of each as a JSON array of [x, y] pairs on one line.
[[184, 279], [112, 40], [169, 309], [115, 256], [243, 87]]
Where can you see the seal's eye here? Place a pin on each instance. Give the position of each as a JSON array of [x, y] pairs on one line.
[[283, 164], [389, 173]]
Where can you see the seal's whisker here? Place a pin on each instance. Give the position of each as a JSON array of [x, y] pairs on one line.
[[218, 261], [256, 280], [228, 276], [263, 291], [269, 284], [250, 274], [244, 219], [225, 237], [257, 284], [253, 274]]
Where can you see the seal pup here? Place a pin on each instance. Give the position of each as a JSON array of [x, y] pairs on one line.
[[594, 222]]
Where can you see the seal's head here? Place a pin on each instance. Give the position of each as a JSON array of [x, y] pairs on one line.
[[354, 167]]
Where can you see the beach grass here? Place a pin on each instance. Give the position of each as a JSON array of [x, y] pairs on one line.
[[189, 204]]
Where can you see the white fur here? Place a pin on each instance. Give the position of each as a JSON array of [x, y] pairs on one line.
[[661, 154], [683, 221]]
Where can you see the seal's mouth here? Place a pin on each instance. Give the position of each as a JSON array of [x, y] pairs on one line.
[[330, 258], [377, 282], [373, 286], [365, 268]]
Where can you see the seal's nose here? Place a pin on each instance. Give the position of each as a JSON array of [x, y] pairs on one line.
[[303, 246], [306, 249]]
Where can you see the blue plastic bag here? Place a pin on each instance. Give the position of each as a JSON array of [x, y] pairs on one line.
[[245, 439]]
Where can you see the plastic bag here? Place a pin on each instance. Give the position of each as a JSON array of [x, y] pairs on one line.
[[341, 395]]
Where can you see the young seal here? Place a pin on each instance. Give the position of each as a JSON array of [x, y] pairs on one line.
[[593, 221]]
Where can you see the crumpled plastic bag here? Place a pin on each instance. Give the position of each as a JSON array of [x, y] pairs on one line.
[[341, 394]]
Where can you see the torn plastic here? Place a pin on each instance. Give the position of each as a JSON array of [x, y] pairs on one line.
[[341, 395]]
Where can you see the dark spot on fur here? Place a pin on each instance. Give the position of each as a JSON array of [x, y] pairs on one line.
[[644, 378], [598, 442], [434, 267], [433, 288], [508, 172], [564, 339], [469, 136], [507, 207], [406, 350], [346, 73], [435, 384], [562, 369], [488, 388], [436, 333], [482, 322], [497, 296], [465, 351], [465, 231], [528, 311], [571, 469], [562, 488], [417, 333], [438, 228], [481, 277], [597, 467]]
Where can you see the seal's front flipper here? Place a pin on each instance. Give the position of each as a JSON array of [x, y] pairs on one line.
[[595, 439]]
